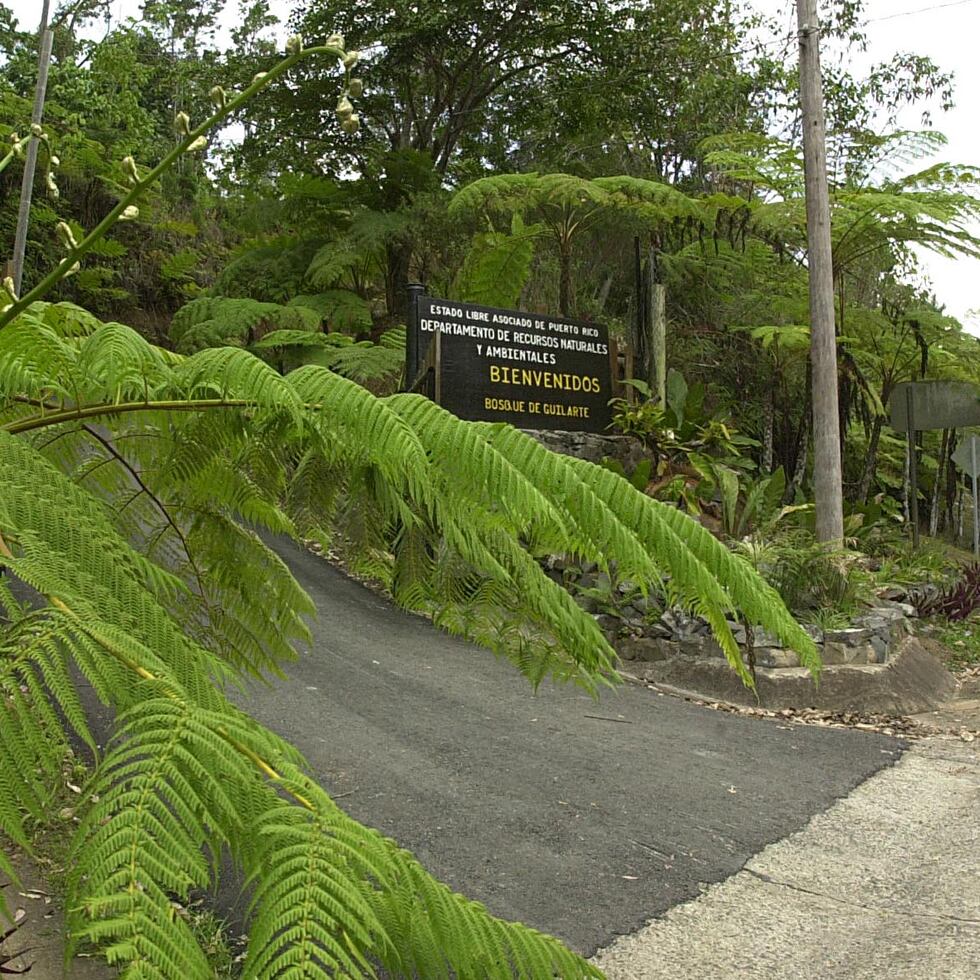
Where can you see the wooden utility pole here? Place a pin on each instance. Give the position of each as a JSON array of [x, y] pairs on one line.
[[45, 37], [827, 474]]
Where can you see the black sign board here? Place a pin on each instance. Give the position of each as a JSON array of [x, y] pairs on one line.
[[534, 371]]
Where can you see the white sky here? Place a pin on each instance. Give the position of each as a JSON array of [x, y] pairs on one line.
[[944, 30]]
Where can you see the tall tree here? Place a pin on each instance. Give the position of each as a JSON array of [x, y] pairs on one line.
[[827, 463], [439, 79], [44, 39]]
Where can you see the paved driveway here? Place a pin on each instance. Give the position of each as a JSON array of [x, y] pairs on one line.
[[579, 817]]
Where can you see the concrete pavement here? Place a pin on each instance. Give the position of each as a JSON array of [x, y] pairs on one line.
[[885, 884]]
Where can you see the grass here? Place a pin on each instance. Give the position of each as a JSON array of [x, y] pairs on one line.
[[961, 640], [225, 952]]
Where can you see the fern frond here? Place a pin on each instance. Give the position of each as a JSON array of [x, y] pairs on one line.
[[215, 321], [704, 572], [278, 339], [691, 581], [489, 478], [270, 270], [501, 191], [330, 264], [599, 532], [497, 266], [341, 309], [231, 373], [117, 364], [142, 843], [362, 362], [417, 926], [362, 420], [35, 362], [66, 319]]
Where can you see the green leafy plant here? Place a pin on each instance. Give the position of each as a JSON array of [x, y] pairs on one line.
[[361, 361], [815, 582], [683, 426], [498, 264], [132, 477], [754, 501]]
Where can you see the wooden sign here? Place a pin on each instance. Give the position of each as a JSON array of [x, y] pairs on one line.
[[533, 371], [967, 458], [937, 405]]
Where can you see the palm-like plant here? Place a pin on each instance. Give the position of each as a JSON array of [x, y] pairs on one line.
[[567, 205], [132, 480]]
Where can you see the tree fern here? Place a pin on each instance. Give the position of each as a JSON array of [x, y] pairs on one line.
[[216, 321], [270, 271], [331, 263], [497, 266], [174, 780], [340, 309], [361, 361], [450, 510]]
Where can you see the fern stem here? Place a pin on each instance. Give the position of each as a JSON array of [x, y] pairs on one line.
[[5, 162], [75, 254], [135, 474], [93, 411], [267, 770]]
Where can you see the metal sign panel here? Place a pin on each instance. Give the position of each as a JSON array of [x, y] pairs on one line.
[[967, 457], [533, 371], [938, 405]]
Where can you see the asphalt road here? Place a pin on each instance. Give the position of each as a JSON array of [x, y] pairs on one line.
[[582, 818]]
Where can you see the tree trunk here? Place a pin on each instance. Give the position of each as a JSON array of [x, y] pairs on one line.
[[946, 513], [45, 39], [802, 444], [907, 484], [565, 297], [870, 462], [603, 296], [768, 420], [937, 490], [827, 467], [399, 259]]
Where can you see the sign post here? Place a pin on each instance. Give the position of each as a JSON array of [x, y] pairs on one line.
[[531, 370], [413, 353], [913, 464], [967, 458]]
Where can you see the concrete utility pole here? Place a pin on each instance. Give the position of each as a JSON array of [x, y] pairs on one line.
[[45, 37], [827, 474]]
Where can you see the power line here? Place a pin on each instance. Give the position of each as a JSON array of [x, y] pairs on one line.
[[920, 10]]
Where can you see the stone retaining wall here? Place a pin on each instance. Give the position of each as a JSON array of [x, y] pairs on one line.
[[871, 638], [628, 450]]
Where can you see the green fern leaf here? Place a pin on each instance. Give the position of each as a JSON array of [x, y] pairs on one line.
[[341, 309]]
